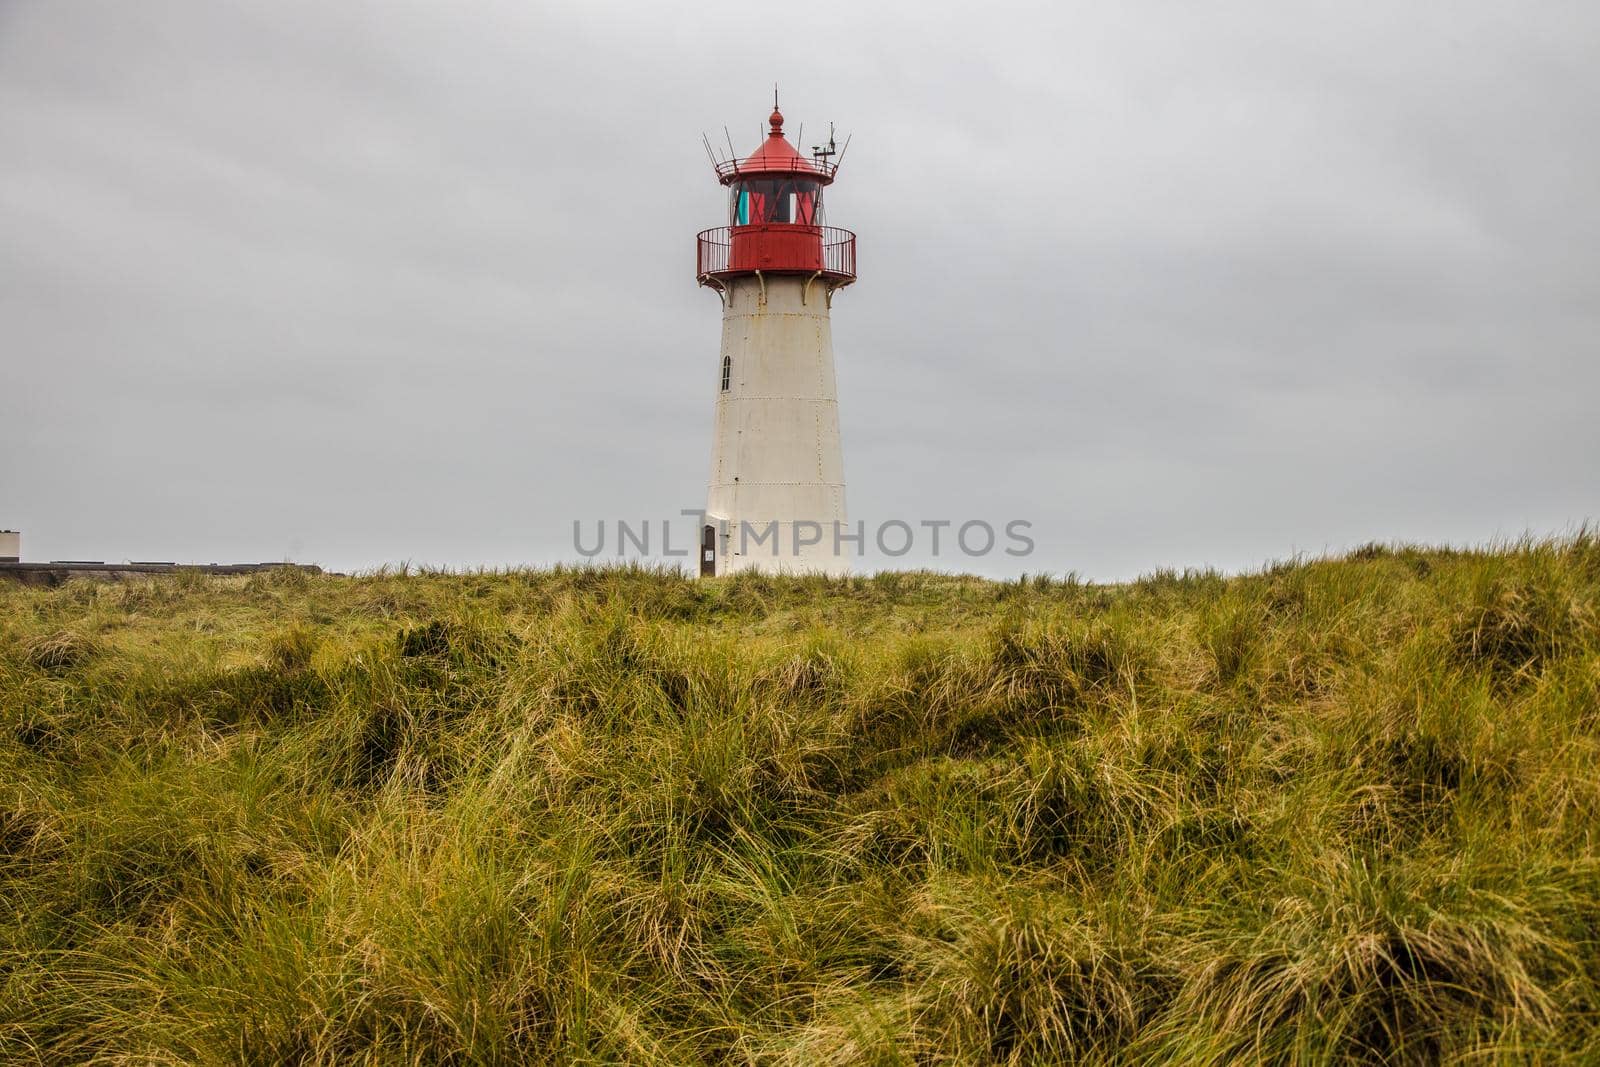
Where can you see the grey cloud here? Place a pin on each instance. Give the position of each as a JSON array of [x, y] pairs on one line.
[[1182, 284]]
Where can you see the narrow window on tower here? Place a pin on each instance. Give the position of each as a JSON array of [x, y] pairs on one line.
[[727, 372]]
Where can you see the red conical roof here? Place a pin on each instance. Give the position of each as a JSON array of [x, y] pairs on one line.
[[775, 156], [775, 153]]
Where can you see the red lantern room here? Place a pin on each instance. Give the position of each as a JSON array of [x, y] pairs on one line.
[[775, 221]]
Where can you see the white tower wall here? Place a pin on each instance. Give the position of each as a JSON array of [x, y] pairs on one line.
[[775, 454], [10, 546]]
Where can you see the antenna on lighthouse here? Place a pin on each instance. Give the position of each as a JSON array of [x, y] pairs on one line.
[[840, 162], [820, 152]]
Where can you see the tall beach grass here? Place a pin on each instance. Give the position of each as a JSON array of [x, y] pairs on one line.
[[1337, 811]]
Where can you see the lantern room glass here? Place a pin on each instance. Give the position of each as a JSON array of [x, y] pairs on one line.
[[757, 201]]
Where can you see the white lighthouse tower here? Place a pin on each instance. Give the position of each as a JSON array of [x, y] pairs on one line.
[[775, 501]]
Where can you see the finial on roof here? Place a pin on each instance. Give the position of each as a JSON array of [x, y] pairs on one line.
[[776, 118]]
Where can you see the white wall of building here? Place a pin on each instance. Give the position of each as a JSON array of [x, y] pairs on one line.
[[775, 455]]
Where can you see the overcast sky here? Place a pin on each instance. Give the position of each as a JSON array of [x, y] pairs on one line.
[[1181, 284]]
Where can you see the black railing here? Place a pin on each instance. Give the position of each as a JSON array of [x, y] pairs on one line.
[[714, 250], [729, 169]]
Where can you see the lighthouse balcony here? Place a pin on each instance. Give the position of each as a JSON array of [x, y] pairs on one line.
[[731, 170], [776, 248]]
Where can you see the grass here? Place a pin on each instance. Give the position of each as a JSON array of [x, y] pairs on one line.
[[1339, 811]]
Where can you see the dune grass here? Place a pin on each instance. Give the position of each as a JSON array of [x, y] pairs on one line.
[[1339, 811]]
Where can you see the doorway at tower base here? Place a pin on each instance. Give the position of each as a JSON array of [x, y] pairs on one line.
[[770, 548]]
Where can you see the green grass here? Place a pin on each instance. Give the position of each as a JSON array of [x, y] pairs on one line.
[[1339, 811]]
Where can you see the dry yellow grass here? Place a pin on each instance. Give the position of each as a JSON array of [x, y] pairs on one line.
[[1340, 811]]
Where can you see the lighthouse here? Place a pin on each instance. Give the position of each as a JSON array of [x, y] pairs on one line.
[[775, 499]]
